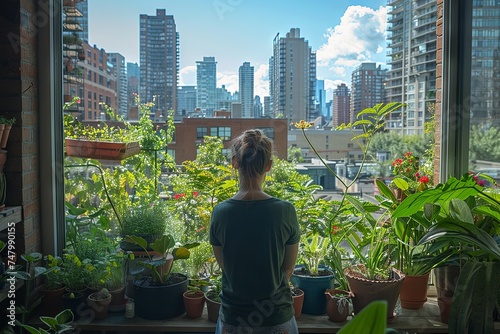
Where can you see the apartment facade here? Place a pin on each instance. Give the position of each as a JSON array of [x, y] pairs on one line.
[[206, 84], [292, 76], [159, 60], [341, 105], [99, 85], [412, 58], [186, 100], [367, 87], [246, 90], [190, 132], [133, 84], [121, 82]]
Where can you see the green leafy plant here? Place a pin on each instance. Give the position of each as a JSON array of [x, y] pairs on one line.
[[313, 250], [61, 323], [7, 121], [144, 219], [164, 246]]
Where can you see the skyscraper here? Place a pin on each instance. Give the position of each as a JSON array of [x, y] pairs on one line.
[[206, 84], [186, 100], [341, 105], [367, 87], [159, 60], [133, 80], [412, 52], [292, 77], [320, 97], [121, 86], [246, 81]]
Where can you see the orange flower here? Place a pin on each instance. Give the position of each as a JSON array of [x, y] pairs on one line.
[[302, 125]]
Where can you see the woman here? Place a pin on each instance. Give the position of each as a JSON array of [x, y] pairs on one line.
[[255, 240]]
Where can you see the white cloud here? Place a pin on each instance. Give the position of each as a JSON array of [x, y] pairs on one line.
[[187, 76], [261, 81], [229, 79], [360, 35]]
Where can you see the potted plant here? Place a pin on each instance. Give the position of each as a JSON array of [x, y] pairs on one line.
[[115, 283], [160, 285], [145, 220], [99, 302], [194, 298], [53, 285], [100, 141], [212, 297], [337, 307], [313, 277], [465, 219], [298, 300]]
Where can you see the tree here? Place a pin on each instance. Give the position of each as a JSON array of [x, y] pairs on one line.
[[294, 154]]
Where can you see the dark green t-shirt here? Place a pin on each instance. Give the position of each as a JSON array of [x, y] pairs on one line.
[[253, 235]]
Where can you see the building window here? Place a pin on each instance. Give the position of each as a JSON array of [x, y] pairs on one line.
[[269, 132], [223, 132], [201, 132], [350, 145]]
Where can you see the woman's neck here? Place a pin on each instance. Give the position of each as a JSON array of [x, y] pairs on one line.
[[251, 189]]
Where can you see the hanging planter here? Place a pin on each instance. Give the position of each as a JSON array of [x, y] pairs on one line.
[[101, 149]]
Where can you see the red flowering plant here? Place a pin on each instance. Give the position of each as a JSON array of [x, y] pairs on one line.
[[409, 176]]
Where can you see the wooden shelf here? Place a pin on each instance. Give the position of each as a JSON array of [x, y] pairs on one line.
[[425, 320], [8, 215]]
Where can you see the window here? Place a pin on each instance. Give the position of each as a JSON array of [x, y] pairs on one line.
[[269, 132], [201, 132], [223, 132]]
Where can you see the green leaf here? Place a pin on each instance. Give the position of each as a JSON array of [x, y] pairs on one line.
[[137, 240], [73, 210], [401, 184], [30, 329], [180, 253], [32, 257], [371, 320], [384, 190], [64, 317], [460, 210], [49, 321], [163, 244]]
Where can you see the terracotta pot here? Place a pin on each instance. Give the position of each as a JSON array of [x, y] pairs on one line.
[[444, 304], [213, 308], [298, 301], [367, 290], [51, 303], [314, 288], [101, 149], [98, 304], [337, 308], [194, 302], [413, 294], [118, 297], [3, 158], [5, 135]]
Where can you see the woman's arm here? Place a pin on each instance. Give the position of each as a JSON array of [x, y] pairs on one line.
[[291, 252], [218, 255]]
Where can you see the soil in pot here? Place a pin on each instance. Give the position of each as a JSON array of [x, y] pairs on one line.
[[194, 302], [337, 305]]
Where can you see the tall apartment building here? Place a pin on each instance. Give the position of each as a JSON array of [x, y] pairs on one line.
[[320, 98], [224, 99], [206, 84], [186, 100], [133, 80], [159, 60], [292, 76], [246, 93], [367, 87], [267, 111], [99, 83], [83, 8], [341, 105], [412, 59], [121, 86], [485, 66]]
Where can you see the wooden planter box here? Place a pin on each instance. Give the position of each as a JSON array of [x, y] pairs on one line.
[[101, 149]]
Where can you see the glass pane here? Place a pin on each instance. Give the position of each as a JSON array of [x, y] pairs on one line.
[[484, 142]]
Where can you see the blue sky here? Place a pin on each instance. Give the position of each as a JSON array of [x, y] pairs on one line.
[[344, 33]]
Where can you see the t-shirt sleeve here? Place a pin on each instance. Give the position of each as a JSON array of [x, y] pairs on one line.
[[214, 241], [294, 226]]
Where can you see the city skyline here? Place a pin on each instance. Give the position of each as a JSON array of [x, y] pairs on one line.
[[343, 34]]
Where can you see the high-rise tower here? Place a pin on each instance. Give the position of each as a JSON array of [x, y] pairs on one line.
[[246, 94], [159, 61], [341, 105], [412, 57], [292, 77], [367, 87], [206, 84]]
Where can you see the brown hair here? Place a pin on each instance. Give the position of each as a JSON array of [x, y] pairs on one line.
[[252, 151]]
